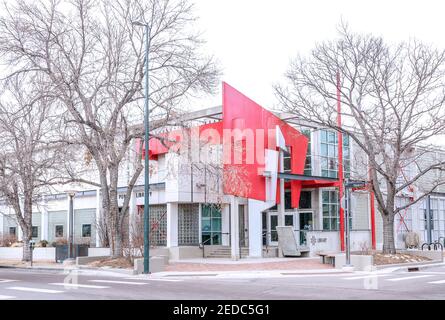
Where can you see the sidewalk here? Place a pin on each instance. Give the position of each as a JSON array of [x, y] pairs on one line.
[[53, 266], [259, 264], [5, 263]]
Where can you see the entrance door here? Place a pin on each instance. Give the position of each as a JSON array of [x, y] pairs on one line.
[[306, 224], [243, 223], [272, 227]]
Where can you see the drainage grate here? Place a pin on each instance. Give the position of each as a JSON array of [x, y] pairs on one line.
[[413, 269]]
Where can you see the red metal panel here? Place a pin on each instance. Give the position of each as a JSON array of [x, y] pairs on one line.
[[240, 112], [340, 168]]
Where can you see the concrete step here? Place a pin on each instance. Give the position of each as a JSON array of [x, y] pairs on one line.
[[224, 252]]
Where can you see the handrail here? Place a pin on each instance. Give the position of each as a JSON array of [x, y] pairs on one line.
[[247, 238], [202, 244]]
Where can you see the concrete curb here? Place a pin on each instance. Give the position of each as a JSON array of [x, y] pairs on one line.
[[83, 268], [30, 268], [250, 273], [419, 265]]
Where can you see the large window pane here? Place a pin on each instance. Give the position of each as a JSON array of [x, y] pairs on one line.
[[305, 200], [288, 220], [211, 224], [216, 224], [329, 151], [206, 225]]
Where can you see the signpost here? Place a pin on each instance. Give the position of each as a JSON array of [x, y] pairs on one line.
[[31, 248]]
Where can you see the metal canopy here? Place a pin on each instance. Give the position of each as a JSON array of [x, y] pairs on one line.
[[300, 177]]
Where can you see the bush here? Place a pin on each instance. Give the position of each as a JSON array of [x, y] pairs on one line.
[[60, 242], [17, 244], [7, 240], [42, 243]]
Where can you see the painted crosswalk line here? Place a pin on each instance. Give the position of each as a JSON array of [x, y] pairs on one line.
[[77, 285], [409, 278], [437, 282], [166, 280], [6, 297], [34, 290], [366, 277], [118, 282], [7, 280]]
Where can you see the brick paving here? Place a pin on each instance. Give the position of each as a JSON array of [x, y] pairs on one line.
[[293, 264]]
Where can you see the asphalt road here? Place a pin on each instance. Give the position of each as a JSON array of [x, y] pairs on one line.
[[52, 285]]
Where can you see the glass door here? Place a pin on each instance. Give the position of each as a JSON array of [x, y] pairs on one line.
[[272, 227], [306, 224], [243, 223]]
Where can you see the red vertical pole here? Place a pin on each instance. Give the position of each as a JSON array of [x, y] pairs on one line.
[[372, 211], [340, 168]]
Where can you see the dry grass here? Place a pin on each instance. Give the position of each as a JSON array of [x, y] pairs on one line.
[[380, 258], [120, 263]]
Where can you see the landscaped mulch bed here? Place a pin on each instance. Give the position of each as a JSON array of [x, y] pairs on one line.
[[380, 258], [121, 263]]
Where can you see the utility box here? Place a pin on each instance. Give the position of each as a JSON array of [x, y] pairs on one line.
[[79, 250]]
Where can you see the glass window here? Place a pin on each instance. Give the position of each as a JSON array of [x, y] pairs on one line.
[[330, 210], [287, 200], [12, 231], [289, 220], [305, 200], [35, 232], [308, 163], [273, 228], [86, 230], [437, 213], [59, 231], [211, 224], [329, 154]]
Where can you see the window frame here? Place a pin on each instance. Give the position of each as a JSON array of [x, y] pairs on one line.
[[13, 233], [32, 231], [91, 230], [214, 214], [55, 231], [329, 157]]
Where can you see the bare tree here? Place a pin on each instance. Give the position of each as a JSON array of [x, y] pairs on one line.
[[392, 104], [29, 157], [93, 57]]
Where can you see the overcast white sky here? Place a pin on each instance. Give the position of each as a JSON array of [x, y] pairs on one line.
[[254, 40]]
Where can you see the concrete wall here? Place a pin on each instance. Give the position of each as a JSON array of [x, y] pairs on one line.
[[98, 252], [39, 254], [328, 241], [186, 252], [360, 262], [430, 254], [360, 240]]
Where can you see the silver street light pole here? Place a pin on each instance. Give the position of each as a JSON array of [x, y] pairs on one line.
[[71, 195]]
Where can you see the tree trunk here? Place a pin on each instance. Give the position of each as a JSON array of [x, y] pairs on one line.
[[118, 246], [388, 234], [26, 250]]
